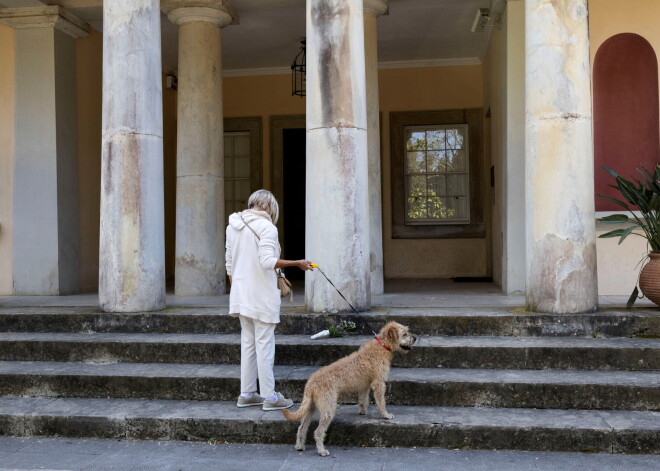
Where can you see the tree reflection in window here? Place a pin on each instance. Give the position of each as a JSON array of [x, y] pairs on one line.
[[437, 181]]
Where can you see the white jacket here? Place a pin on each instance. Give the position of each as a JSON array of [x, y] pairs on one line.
[[251, 263]]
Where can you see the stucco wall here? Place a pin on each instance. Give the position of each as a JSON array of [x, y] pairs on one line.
[[7, 73], [432, 88], [617, 272]]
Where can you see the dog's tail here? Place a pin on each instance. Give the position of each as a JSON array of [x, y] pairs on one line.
[[305, 407]]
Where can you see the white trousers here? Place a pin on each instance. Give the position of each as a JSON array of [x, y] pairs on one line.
[[257, 356]]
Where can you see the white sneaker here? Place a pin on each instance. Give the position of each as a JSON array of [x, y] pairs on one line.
[[279, 403]]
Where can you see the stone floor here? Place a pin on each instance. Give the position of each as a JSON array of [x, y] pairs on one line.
[[398, 293], [101, 455]]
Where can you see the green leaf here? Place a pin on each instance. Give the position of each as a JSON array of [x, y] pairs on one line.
[[615, 218], [626, 233], [611, 172], [616, 201], [614, 233], [632, 298]]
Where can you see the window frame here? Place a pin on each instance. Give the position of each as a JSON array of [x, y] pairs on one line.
[[475, 228], [252, 125], [407, 174]]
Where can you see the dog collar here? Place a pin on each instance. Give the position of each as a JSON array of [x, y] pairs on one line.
[[383, 345]]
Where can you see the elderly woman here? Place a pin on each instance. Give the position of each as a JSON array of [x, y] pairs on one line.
[[252, 255]]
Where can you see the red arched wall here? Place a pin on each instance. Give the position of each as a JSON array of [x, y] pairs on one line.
[[626, 117]]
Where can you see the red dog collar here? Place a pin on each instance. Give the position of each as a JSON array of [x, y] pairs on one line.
[[383, 345]]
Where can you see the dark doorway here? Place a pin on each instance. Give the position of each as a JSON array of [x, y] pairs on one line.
[[293, 223]]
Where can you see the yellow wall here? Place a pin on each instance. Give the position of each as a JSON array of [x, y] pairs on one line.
[[610, 17], [415, 89], [7, 64]]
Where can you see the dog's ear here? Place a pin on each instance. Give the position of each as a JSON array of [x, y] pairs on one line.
[[392, 334]]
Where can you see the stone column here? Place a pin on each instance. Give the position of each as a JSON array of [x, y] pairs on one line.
[[373, 9], [132, 242], [45, 164], [337, 212], [561, 244], [200, 196]]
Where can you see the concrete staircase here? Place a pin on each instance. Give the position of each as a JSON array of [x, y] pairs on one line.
[[483, 379]]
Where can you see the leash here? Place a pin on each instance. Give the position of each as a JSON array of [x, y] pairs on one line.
[[316, 265]]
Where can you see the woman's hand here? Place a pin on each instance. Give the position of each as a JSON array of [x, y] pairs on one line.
[[304, 265]]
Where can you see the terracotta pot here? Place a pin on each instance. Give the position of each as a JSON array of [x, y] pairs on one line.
[[649, 278]]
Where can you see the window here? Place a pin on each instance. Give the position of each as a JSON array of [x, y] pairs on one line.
[[243, 161], [237, 171], [437, 177], [437, 174]]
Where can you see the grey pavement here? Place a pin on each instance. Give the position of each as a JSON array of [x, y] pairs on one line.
[[127, 455]]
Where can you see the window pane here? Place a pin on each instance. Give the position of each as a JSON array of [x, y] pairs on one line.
[[417, 207], [435, 139], [457, 185], [438, 209], [456, 161], [437, 161], [242, 192], [241, 167], [462, 210], [417, 186], [437, 185], [416, 140], [229, 167], [229, 145], [416, 162], [229, 190], [454, 139], [242, 145]]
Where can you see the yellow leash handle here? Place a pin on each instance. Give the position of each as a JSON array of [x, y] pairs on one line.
[[314, 265]]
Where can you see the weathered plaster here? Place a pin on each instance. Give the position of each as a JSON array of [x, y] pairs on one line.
[[200, 212], [132, 265], [337, 211], [561, 248]]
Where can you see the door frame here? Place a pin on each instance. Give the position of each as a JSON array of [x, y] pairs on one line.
[[253, 125]]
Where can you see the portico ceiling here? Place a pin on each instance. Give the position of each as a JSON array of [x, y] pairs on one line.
[[416, 32]]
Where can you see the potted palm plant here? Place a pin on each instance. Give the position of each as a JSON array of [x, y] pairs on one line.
[[642, 201]]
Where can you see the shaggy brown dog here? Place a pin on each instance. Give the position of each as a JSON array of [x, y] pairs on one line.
[[365, 369]]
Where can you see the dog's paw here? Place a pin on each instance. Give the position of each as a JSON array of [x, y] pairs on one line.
[[388, 416], [300, 447], [362, 412], [324, 452]]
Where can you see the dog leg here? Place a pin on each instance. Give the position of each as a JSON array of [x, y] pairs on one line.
[[379, 396], [301, 438], [326, 416], [363, 401]]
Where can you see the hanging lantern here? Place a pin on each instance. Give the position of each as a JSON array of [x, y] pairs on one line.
[[298, 73]]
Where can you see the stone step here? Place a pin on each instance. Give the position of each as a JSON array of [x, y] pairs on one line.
[[430, 352], [422, 321], [547, 389], [447, 427]]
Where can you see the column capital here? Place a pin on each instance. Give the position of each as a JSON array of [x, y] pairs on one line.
[[377, 7], [44, 17], [220, 12]]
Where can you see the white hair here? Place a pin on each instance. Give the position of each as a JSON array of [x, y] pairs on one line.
[[264, 199]]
